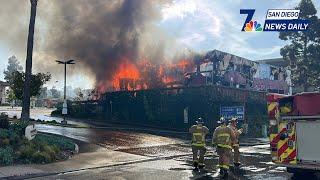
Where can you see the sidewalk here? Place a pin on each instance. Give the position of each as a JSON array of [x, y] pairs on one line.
[[101, 158]]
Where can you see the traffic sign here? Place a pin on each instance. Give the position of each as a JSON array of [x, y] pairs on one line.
[[229, 112]]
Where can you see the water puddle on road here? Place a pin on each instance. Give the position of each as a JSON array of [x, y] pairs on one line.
[[179, 169], [278, 169], [258, 149], [158, 151], [253, 169], [264, 177]]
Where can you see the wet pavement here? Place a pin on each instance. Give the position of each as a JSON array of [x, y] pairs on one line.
[[256, 166], [43, 114], [168, 157]]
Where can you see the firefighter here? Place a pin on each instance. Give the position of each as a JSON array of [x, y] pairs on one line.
[[199, 132], [223, 137], [235, 146]]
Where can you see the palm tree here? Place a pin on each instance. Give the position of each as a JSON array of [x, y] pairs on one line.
[[25, 114]]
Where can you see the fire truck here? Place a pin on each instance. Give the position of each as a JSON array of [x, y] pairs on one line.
[[294, 132]]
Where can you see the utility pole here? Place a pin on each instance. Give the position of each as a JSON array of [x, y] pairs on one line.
[[25, 114], [65, 106]]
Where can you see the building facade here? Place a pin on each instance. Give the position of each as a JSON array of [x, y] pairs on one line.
[[3, 86], [221, 68]]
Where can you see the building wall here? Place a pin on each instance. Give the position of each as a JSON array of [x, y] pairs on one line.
[[241, 72], [2, 94], [165, 107]]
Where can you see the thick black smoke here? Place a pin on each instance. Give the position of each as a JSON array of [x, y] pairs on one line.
[[102, 33], [98, 34]]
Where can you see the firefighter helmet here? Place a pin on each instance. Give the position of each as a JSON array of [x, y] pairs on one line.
[[233, 119], [222, 120], [199, 121]]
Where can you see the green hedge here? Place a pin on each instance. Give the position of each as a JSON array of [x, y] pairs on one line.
[[62, 143], [4, 121], [38, 152], [44, 149], [6, 155], [15, 148]]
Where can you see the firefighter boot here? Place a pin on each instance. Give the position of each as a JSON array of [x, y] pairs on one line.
[[237, 164], [195, 165], [232, 168], [223, 173], [237, 169], [201, 166]]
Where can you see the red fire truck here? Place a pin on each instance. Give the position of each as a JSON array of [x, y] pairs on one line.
[[295, 132]]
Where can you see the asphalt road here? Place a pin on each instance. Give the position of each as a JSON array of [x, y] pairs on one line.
[[173, 163], [171, 158]]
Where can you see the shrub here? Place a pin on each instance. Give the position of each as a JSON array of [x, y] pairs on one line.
[[14, 138], [41, 157], [62, 143], [4, 133], [39, 152], [26, 152], [43, 149], [6, 156], [5, 142], [51, 150], [20, 127], [39, 121], [4, 121], [9, 137], [53, 122]]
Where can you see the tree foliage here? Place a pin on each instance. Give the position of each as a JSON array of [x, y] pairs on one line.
[[79, 94], [43, 93], [55, 93], [11, 96], [13, 66], [15, 77], [37, 81], [303, 50]]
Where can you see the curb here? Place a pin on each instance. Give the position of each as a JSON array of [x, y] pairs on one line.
[[38, 175], [60, 125]]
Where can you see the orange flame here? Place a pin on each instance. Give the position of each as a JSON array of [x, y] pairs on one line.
[[128, 74], [167, 80], [144, 74]]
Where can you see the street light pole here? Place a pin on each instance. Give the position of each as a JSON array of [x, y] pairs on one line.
[[65, 81], [65, 106]]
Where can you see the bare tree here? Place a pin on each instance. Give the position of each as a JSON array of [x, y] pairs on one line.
[[25, 114]]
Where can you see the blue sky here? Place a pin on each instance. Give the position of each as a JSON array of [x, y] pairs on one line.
[[201, 25], [207, 24]]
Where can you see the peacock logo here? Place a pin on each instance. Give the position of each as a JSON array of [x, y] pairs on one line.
[[253, 26]]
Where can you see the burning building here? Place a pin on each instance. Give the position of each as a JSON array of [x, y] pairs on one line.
[[120, 46], [213, 68], [145, 75], [230, 70]]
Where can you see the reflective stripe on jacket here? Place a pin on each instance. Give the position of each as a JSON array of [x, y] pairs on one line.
[[223, 136], [198, 139], [198, 135], [223, 140]]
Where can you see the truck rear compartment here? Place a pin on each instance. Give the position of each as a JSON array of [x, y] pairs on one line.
[[308, 142]]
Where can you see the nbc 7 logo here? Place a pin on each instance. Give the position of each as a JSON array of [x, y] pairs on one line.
[[250, 13]]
